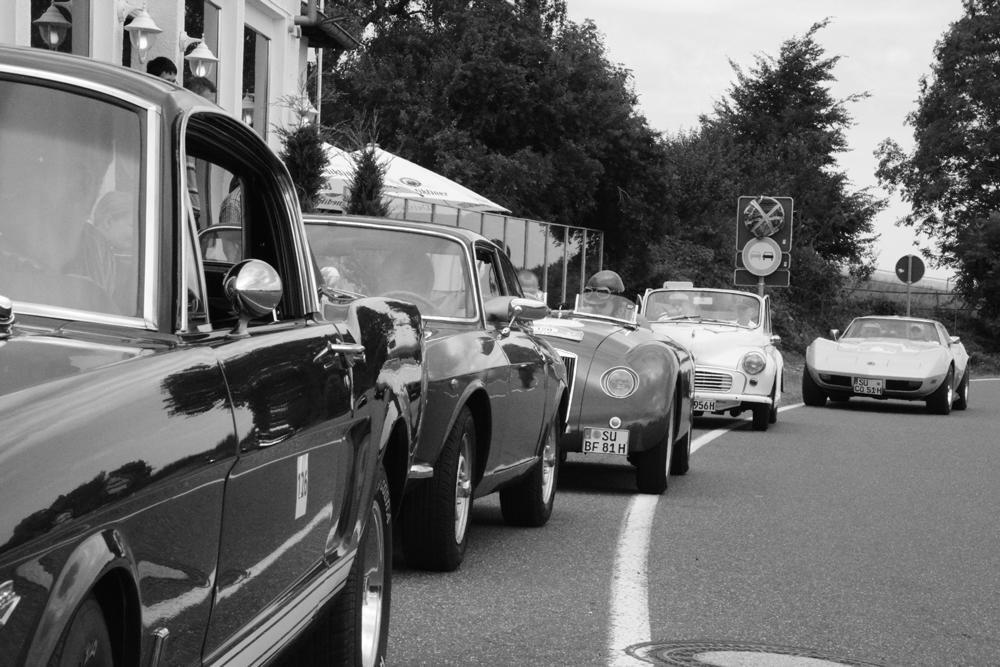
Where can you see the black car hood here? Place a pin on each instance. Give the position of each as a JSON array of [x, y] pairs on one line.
[[33, 357]]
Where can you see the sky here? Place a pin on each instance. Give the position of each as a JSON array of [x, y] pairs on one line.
[[679, 53]]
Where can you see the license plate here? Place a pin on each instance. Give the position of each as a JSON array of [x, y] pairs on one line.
[[703, 406], [605, 441], [868, 386]]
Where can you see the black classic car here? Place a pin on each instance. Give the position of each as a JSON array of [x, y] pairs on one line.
[[496, 394], [197, 466], [631, 387]]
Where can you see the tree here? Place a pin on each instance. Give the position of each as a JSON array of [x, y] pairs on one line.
[[951, 179], [778, 132], [302, 151]]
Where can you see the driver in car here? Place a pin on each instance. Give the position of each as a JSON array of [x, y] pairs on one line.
[[599, 292]]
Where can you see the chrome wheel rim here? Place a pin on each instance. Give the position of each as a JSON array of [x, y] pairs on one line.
[[373, 587], [549, 461], [463, 489]]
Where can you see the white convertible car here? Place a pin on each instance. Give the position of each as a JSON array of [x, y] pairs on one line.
[[889, 357], [737, 365]]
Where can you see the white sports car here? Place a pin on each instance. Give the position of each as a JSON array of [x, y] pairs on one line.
[[889, 357], [737, 364]]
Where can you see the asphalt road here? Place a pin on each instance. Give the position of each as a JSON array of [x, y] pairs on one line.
[[860, 534]]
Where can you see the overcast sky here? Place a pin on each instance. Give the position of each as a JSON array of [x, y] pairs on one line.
[[679, 53]]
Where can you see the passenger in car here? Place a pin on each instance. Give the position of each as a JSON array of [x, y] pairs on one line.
[[107, 252]]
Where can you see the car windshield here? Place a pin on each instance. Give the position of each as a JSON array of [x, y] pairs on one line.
[[900, 329], [604, 304], [732, 308], [427, 270], [70, 201]]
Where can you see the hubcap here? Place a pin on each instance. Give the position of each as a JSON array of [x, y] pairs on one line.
[[373, 587], [549, 459], [463, 490]]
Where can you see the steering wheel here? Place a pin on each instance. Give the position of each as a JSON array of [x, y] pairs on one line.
[[421, 302]]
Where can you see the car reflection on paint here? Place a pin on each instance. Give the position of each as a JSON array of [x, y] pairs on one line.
[[496, 393], [630, 388]]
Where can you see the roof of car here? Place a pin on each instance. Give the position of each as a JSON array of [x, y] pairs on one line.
[[460, 233], [89, 71]]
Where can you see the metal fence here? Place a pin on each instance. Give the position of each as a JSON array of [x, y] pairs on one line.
[[562, 256]]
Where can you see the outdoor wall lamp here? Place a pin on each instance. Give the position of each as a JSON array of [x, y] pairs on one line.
[[200, 59], [52, 26], [248, 108], [142, 31]]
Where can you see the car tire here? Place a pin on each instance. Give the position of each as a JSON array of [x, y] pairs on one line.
[[940, 401], [962, 394], [761, 416], [772, 414], [86, 641], [840, 398], [681, 458], [359, 618], [529, 501], [811, 392], [653, 464], [438, 512]]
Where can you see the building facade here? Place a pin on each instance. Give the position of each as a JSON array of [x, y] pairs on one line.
[[262, 49]]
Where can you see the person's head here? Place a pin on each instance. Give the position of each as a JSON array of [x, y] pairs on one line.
[[746, 313], [202, 86], [599, 289], [114, 217], [162, 67], [529, 283]]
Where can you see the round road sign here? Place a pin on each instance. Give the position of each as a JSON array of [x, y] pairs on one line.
[[910, 269], [762, 256], [764, 216]]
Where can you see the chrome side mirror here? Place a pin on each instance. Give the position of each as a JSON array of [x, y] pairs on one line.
[[254, 289], [834, 334]]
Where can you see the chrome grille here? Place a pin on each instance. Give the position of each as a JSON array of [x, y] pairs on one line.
[[709, 381]]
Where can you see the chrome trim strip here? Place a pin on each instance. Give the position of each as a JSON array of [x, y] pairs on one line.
[[421, 471], [8, 601]]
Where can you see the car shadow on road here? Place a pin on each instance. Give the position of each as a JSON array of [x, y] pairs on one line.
[[871, 405], [597, 476]]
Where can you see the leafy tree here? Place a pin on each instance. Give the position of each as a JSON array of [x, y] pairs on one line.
[[302, 151], [778, 132], [952, 177]]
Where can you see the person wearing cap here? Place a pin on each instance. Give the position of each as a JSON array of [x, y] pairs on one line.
[[599, 291]]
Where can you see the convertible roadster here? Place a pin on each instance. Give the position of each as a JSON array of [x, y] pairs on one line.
[[738, 365], [889, 357], [630, 390]]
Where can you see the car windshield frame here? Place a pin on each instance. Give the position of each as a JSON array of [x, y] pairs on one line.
[[606, 306], [702, 306], [891, 328]]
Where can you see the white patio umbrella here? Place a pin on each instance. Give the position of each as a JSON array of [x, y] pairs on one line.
[[403, 179]]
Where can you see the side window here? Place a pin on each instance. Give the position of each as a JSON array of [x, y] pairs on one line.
[[509, 276], [239, 211], [488, 272]]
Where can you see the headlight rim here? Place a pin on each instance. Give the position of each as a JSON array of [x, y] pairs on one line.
[[629, 372], [747, 365]]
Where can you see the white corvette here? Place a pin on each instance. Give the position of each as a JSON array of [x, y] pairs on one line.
[[889, 357]]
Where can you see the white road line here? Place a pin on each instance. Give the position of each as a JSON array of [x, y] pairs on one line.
[[629, 612], [629, 592]]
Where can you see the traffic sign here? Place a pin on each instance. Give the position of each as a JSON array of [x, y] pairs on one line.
[[761, 256], [780, 278], [764, 217], [910, 269], [786, 261]]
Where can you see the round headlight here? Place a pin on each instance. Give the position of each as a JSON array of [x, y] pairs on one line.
[[754, 363], [619, 382]]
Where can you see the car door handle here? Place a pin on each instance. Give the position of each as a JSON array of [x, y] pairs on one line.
[[352, 352]]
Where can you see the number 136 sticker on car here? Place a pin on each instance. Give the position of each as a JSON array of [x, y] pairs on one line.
[[605, 441]]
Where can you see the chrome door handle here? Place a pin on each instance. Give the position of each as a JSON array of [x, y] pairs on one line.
[[352, 352]]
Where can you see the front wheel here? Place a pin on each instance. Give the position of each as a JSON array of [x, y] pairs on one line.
[[940, 401], [681, 457], [654, 464], [812, 394], [360, 618], [437, 513], [86, 642], [962, 395], [761, 416], [529, 502]]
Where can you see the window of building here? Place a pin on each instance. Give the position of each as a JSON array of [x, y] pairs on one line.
[[201, 22], [256, 53]]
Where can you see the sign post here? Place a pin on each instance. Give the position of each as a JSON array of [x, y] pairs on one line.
[[763, 241], [909, 269]]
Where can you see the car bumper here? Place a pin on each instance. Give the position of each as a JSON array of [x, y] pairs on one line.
[[721, 389], [907, 388]]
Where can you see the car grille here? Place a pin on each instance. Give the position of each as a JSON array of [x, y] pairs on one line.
[[708, 381]]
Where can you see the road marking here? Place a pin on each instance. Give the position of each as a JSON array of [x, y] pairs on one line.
[[629, 591], [629, 611]]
